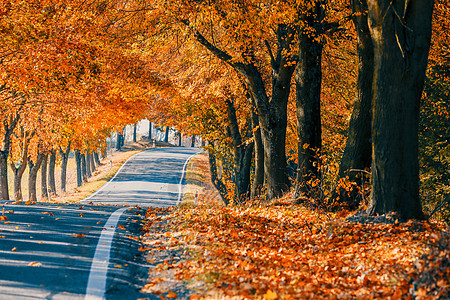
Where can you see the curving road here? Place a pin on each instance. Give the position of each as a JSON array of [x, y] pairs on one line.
[[74, 251]]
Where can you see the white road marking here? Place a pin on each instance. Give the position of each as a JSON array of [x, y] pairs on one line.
[[96, 286], [109, 181]]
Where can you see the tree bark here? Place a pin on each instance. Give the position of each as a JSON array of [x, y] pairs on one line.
[[218, 184], [166, 136], [91, 162], [88, 165], [97, 159], [150, 129], [33, 170], [258, 176], [135, 133], [64, 160], [44, 190], [84, 167], [18, 173], [193, 141], [308, 80], [401, 34], [51, 173], [8, 127], [358, 149], [78, 161], [242, 155], [179, 139]]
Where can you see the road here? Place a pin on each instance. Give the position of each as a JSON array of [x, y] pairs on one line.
[[87, 250]]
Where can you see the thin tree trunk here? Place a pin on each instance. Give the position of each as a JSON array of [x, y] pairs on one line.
[[135, 133], [44, 190], [33, 171], [218, 184], [166, 136], [97, 159], [79, 163], [358, 149], [193, 141], [150, 129], [179, 139], [84, 167], [91, 162], [258, 178], [242, 155], [401, 34], [18, 173], [4, 153], [64, 160], [51, 173]]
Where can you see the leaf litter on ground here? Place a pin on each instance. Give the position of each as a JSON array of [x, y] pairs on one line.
[[281, 251]]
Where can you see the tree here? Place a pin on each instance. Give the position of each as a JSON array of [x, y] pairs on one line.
[[357, 155], [401, 34]]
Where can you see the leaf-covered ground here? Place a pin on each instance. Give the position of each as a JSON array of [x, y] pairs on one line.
[[284, 251]]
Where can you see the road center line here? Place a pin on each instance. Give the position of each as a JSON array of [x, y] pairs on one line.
[[99, 268]]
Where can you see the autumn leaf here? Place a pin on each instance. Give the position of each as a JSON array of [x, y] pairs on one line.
[[77, 235], [270, 295], [172, 295], [3, 218], [121, 227], [35, 264]]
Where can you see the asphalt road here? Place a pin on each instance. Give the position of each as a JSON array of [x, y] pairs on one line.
[[88, 250]]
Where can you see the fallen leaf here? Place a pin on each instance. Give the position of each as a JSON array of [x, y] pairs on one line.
[[270, 295], [117, 266], [3, 218], [77, 235], [35, 264], [14, 249], [172, 295], [121, 227]]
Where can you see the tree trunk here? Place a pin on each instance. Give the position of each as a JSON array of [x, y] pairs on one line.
[[272, 110], [84, 167], [401, 33], [18, 173], [79, 164], [150, 129], [135, 133], [166, 136], [358, 149], [258, 178], [193, 141], [308, 81], [4, 175], [119, 142], [218, 184], [179, 139], [44, 190], [242, 155], [4, 153], [64, 160], [33, 171], [91, 162], [97, 159], [51, 173]]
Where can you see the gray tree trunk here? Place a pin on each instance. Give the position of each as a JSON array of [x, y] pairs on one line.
[[51, 173], [44, 190], [33, 171], [79, 164], [64, 159]]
